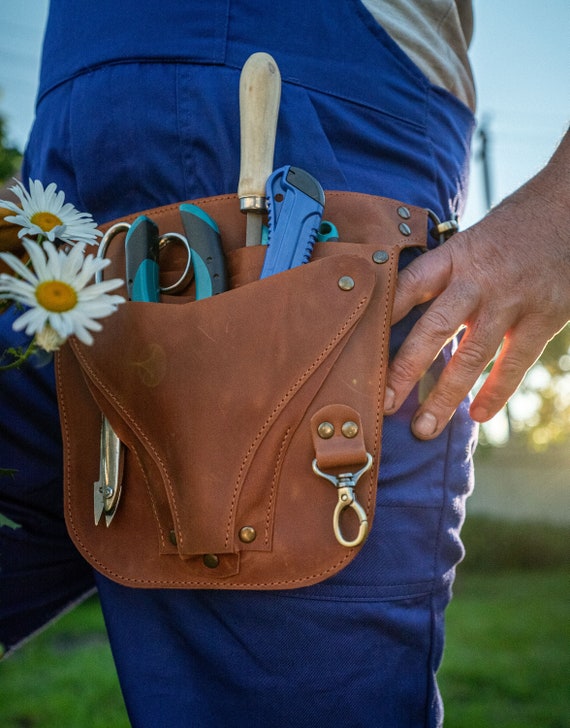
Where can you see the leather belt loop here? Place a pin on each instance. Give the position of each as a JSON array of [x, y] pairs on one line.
[[338, 437]]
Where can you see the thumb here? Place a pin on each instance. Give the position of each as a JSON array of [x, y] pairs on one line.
[[421, 281]]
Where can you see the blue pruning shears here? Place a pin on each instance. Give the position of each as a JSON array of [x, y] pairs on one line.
[[207, 254]]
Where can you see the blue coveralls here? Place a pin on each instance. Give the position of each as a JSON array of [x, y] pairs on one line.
[[138, 106]]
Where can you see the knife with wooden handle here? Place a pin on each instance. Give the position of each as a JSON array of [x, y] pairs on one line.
[[259, 97]]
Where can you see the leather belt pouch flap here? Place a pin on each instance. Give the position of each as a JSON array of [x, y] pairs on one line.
[[224, 404]]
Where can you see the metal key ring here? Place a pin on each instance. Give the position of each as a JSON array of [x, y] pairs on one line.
[[119, 227], [124, 227], [185, 278]]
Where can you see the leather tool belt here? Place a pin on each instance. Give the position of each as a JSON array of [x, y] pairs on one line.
[[250, 421]]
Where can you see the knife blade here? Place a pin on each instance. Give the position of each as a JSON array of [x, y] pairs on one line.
[[107, 490]]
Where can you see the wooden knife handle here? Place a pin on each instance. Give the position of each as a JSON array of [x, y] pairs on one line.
[[259, 97]]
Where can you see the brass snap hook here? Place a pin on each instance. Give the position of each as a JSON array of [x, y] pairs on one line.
[[345, 483]]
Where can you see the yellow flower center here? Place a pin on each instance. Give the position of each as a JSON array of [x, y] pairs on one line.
[[45, 220], [56, 296]]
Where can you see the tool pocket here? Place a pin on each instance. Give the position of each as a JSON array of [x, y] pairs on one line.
[[250, 421]]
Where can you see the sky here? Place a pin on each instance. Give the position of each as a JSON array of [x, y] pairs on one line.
[[521, 61]]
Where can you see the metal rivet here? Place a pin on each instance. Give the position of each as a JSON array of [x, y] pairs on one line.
[[211, 561], [325, 430], [172, 537], [404, 213], [346, 283], [405, 229], [247, 534], [350, 429], [380, 256]]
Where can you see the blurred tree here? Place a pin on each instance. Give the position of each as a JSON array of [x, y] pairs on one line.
[[548, 383], [538, 414], [10, 156], [10, 160]]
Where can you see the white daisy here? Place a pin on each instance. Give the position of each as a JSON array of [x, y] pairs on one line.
[[59, 302], [44, 213]]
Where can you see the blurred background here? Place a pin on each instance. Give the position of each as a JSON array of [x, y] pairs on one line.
[[507, 658]]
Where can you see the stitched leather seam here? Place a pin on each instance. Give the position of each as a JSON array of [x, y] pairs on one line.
[[150, 495], [141, 434], [274, 481], [382, 380], [278, 408], [207, 583]]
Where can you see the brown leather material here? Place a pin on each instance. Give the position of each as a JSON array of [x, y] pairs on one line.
[[338, 438], [213, 400]]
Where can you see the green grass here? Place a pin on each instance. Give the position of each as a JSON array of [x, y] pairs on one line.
[[506, 662], [63, 677], [507, 659]]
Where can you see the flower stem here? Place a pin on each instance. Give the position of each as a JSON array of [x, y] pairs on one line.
[[20, 356]]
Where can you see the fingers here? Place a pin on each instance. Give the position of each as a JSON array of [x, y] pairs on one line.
[[521, 348], [421, 281], [491, 280], [456, 381], [436, 327]]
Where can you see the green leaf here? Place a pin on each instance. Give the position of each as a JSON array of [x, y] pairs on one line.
[[8, 522]]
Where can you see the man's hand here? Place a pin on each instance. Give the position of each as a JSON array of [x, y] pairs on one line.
[[506, 281]]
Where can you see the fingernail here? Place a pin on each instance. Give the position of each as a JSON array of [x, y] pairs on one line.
[[425, 425], [389, 399]]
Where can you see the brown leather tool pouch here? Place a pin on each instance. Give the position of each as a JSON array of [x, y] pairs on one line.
[[223, 406]]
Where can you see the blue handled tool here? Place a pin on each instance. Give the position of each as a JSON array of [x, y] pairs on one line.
[[203, 236], [295, 201]]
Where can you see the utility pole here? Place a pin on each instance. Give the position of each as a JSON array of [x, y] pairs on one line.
[[484, 135]]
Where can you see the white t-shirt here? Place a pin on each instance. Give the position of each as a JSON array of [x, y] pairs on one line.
[[436, 35]]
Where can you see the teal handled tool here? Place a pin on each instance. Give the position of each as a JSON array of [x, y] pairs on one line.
[[327, 232], [141, 260], [207, 254], [141, 265]]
